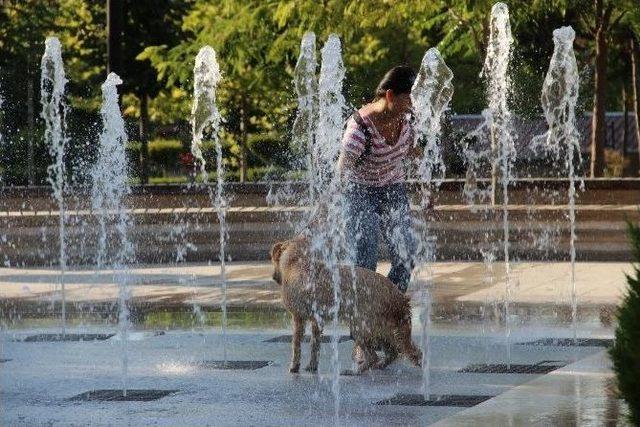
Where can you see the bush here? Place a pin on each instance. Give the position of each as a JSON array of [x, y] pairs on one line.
[[625, 352], [267, 150], [165, 152], [256, 174], [14, 168], [164, 156], [615, 163]]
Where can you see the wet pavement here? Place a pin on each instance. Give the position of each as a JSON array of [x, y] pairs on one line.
[[40, 378], [177, 344], [580, 394]]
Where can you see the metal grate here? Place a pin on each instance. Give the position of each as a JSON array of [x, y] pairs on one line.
[[65, 337], [323, 339], [120, 396], [463, 401], [247, 365], [570, 342], [543, 367]]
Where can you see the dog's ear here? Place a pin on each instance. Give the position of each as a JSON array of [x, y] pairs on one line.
[[276, 251]]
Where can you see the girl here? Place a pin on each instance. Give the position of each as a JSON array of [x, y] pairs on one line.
[[375, 148]]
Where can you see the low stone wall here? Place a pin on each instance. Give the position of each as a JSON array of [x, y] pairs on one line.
[[173, 223]]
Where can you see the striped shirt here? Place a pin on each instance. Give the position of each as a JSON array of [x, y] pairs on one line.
[[385, 164]]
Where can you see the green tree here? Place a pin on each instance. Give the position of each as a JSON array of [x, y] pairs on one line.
[[598, 19], [252, 94], [257, 44], [147, 23], [81, 27], [24, 25], [625, 352], [632, 24]]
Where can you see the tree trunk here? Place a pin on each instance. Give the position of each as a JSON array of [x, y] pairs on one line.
[[598, 125], [143, 128], [634, 94], [625, 128], [115, 24], [243, 143], [31, 176]]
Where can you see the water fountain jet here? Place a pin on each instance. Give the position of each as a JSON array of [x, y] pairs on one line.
[[559, 98], [206, 117], [52, 84], [430, 96], [306, 85], [110, 187], [303, 136], [329, 243], [500, 126]]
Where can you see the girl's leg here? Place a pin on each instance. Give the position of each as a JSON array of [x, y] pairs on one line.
[[362, 227], [397, 232]]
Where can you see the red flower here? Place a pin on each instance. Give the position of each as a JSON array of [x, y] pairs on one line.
[[187, 159]]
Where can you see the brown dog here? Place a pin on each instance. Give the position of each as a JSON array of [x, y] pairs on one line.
[[378, 314]]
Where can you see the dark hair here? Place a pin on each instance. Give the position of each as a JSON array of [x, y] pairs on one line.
[[398, 79]]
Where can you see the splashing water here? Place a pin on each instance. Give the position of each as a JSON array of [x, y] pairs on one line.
[[110, 187], [303, 137], [495, 70], [306, 86], [206, 117], [52, 84], [430, 96], [490, 147], [329, 242], [204, 111], [330, 116], [3, 238], [559, 97]]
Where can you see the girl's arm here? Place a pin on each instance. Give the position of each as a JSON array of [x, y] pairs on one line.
[[346, 162]]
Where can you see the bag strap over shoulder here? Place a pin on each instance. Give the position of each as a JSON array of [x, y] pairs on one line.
[[368, 139]]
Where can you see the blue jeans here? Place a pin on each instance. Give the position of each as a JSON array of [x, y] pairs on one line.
[[386, 209]]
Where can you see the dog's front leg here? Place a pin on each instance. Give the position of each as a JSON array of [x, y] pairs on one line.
[[316, 332], [296, 340]]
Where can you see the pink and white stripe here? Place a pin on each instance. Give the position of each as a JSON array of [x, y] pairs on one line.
[[385, 163]]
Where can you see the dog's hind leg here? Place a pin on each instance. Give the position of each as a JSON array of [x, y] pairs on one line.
[[370, 359], [296, 340], [390, 355], [407, 347], [316, 332]]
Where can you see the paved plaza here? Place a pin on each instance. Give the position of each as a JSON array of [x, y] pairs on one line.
[[250, 284], [40, 378]]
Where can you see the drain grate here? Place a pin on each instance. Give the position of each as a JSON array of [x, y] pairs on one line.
[[459, 400], [65, 337], [247, 365], [543, 367], [5, 360], [119, 395], [323, 339], [570, 342]]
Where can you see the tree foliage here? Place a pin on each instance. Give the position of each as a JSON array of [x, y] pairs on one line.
[[625, 352], [257, 42]]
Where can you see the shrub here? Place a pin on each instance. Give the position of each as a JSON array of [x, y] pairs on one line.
[[165, 152], [625, 352], [267, 150], [164, 156], [615, 163]]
